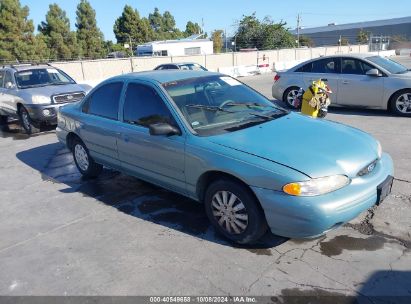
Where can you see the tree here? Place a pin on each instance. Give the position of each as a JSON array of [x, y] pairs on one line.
[[192, 28], [60, 41], [344, 41], [306, 41], [362, 37], [156, 20], [17, 41], [89, 36], [217, 38], [130, 28], [263, 35]]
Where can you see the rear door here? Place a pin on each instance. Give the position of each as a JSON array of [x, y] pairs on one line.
[[99, 127], [159, 159], [358, 89], [323, 68]]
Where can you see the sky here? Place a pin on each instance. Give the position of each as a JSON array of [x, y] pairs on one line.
[[224, 14]]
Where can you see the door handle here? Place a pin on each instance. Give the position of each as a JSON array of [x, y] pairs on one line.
[[345, 82]]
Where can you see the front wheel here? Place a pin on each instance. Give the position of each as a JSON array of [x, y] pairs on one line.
[[84, 162], [26, 122], [401, 103], [235, 212]]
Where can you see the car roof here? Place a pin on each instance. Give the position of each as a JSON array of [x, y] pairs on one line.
[[353, 55], [25, 67], [164, 76], [178, 63]]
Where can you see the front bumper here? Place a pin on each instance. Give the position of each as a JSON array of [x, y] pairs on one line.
[[305, 217], [39, 114]]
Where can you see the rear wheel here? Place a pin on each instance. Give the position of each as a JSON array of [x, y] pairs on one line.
[[84, 162], [289, 96], [400, 103], [26, 122], [235, 212]]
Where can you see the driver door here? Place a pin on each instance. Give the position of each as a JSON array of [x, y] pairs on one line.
[[358, 89], [159, 159]]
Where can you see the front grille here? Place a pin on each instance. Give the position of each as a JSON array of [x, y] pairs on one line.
[[68, 97], [368, 168]]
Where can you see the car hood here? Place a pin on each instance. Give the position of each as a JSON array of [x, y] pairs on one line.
[[406, 75], [54, 89], [312, 146]]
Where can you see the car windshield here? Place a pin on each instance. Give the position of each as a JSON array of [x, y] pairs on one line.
[[41, 77], [192, 66], [387, 64], [219, 104]]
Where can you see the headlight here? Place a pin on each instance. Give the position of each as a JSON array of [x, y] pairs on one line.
[[40, 99], [379, 149], [317, 186]]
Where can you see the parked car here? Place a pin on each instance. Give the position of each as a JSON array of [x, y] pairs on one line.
[[211, 138], [362, 80], [181, 66], [33, 93]]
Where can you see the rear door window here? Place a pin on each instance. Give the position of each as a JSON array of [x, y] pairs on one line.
[[143, 106], [7, 78], [1, 79], [326, 66], [104, 101]]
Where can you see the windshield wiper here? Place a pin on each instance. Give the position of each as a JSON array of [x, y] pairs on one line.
[[249, 105], [208, 108], [216, 109]]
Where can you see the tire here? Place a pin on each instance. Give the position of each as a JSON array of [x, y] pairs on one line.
[[84, 162], [243, 221], [400, 103], [288, 94], [26, 122], [4, 126]]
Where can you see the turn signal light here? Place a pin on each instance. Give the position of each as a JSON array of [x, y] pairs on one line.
[[292, 189]]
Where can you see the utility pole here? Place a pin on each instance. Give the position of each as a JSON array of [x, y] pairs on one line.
[[225, 37], [298, 30], [131, 46]]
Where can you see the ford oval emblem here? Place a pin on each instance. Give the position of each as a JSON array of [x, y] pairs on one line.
[[371, 167]]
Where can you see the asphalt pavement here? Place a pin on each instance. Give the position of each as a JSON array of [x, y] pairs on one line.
[[117, 235]]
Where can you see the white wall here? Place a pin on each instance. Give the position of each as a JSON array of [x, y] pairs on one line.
[[94, 70]]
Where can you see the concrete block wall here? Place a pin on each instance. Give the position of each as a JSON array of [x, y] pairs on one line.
[[96, 70]]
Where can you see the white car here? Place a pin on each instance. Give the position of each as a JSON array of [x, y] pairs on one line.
[[360, 80]]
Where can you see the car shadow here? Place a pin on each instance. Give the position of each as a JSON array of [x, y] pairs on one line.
[[133, 197], [360, 111], [342, 111], [15, 131], [385, 286]]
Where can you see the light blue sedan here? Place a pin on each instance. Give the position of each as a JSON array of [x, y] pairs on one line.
[[207, 136]]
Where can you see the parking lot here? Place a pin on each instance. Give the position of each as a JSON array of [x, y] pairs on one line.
[[117, 235]]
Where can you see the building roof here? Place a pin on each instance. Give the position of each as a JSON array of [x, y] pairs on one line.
[[357, 25], [164, 76], [174, 41]]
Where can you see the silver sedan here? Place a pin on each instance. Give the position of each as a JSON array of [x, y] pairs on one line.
[[360, 80]]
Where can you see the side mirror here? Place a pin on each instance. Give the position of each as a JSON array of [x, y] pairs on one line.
[[163, 128], [373, 73], [9, 85]]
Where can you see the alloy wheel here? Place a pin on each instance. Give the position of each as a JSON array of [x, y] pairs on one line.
[[403, 103], [291, 96]]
